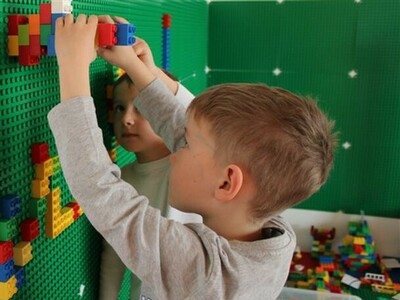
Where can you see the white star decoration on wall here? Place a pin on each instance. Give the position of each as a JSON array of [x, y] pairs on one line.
[[346, 145], [353, 74], [277, 72]]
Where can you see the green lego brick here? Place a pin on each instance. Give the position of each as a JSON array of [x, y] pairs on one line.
[[23, 35], [45, 30], [56, 164], [37, 207], [8, 229]]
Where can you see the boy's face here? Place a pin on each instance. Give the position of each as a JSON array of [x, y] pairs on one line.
[[132, 130], [194, 170]]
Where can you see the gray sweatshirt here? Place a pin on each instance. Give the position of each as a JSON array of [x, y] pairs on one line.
[[174, 261]]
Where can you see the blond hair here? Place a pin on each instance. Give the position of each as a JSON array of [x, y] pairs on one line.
[[283, 141]]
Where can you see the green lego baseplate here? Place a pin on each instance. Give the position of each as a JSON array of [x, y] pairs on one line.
[[67, 266]]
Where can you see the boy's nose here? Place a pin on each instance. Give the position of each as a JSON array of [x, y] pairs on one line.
[[128, 119]]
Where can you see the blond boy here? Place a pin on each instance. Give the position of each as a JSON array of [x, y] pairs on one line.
[[246, 152]]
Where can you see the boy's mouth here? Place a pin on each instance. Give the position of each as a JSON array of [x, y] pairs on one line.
[[129, 135]]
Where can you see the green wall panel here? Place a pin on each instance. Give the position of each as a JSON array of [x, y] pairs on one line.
[[60, 266], [316, 44]]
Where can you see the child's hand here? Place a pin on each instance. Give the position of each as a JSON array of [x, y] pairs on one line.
[[75, 41], [120, 56], [143, 51], [75, 51]]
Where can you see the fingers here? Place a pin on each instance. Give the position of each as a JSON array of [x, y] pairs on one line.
[[121, 20], [68, 20], [105, 19], [59, 25], [81, 19], [138, 41], [92, 22]]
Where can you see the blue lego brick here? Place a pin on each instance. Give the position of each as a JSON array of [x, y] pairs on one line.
[[20, 276], [326, 259], [6, 270], [54, 17], [10, 206], [124, 34], [166, 33], [369, 239], [51, 49]]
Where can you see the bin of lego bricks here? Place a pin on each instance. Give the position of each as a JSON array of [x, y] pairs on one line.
[[356, 269]]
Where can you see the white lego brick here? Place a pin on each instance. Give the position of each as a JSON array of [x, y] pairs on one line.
[[61, 6]]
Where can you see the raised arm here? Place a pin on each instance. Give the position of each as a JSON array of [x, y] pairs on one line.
[[156, 101], [113, 206]]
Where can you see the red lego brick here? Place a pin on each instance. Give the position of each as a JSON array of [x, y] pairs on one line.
[[6, 251], [34, 45], [14, 21], [45, 13], [106, 34], [39, 153], [166, 21], [29, 229], [25, 58]]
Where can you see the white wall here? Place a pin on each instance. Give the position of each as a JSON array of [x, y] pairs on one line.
[[385, 231]]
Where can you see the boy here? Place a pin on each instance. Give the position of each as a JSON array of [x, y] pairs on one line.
[[148, 174], [251, 152]]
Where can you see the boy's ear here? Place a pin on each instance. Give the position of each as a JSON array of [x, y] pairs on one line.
[[230, 184]]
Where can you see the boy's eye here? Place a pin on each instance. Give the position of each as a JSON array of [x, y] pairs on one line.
[[119, 108]]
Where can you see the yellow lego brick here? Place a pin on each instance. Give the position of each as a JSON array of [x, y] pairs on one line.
[[80, 211], [303, 284], [8, 288], [44, 170], [51, 226], [55, 194], [50, 232], [67, 215], [113, 154], [119, 72], [67, 212], [347, 240], [359, 240], [22, 253], [53, 201], [40, 188], [13, 45]]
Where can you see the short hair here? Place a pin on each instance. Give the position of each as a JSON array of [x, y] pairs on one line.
[[284, 142]]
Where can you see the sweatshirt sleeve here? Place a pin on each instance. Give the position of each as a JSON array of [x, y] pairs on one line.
[[165, 113], [184, 96], [145, 242]]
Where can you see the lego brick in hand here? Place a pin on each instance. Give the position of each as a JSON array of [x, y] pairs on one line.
[[106, 35], [125, 34]]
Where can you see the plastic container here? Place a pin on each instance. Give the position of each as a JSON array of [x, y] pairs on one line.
[[300, 294]]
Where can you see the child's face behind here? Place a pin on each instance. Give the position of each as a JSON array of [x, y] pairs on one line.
[[194, 171], [132, 130]]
